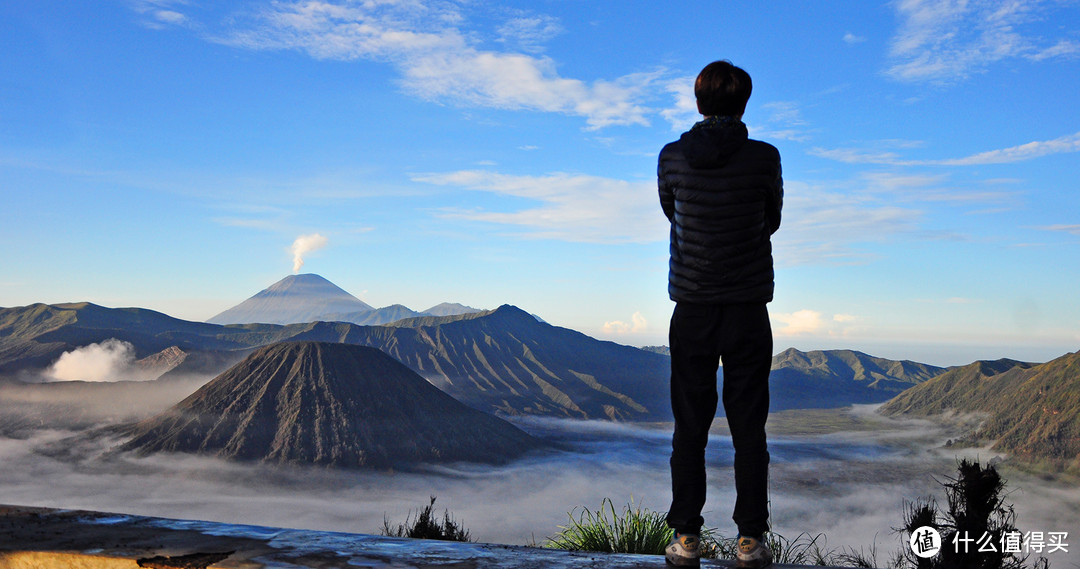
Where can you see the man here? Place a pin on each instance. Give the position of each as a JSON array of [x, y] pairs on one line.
[[722, 193]]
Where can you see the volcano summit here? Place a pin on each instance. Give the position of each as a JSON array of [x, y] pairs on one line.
[[328, 404], [293, 299]]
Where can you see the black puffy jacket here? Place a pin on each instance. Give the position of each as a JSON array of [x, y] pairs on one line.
[[723, 193]]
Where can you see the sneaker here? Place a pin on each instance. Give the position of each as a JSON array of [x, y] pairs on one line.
[[752, 554], [684, 550]]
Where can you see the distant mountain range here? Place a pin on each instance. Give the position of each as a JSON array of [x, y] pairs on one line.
[[1029, 410], [503, 360], [297, 299], [327, 404], [500, 360], [821, 378]]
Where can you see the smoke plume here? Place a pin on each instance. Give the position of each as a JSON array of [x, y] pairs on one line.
[[108, 361], [304, 245]]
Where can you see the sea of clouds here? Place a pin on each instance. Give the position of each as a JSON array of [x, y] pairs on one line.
[[852, 487]]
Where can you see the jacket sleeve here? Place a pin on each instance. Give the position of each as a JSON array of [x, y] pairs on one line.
[[775, 200], [667, 197]]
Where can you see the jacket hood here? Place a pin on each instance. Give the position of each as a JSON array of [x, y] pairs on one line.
[[712, 142]]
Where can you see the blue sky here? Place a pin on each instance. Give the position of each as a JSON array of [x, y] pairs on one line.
[[167, 154]]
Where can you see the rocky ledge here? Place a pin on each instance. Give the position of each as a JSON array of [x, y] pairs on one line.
[[41, 537]]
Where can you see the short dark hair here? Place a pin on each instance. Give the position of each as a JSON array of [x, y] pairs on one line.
[[722, 90]]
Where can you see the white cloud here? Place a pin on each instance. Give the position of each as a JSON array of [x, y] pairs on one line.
[[573, 207], [808, 322], [440, 63], [799, 322], [946, 40], [638, 324]]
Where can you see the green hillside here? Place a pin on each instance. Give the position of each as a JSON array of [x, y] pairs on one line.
[[1031, 411], [32, 337]]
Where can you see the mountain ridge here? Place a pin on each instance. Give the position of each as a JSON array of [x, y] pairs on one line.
[[503, 360], [1030, 410], [820, 378], [298, 299]]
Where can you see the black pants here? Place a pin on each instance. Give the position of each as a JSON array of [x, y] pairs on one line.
[[699, 336]]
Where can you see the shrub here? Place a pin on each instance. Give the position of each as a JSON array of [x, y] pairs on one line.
[[975, 508], [426, 526]]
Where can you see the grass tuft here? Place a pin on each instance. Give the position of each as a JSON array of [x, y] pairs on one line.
[[636, 530]]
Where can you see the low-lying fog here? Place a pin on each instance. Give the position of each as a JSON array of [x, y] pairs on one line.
[[850, 486]]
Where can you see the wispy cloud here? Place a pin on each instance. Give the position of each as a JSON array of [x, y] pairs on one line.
[[787, 112], [572, 207], [1063, 48], [945, 40], [784, 121], [1031, 150], [683, 112], [822, 225], [440, 62], [1073, 229], [529, 32], [159, 14], [1064, 144], [856, 156], [850, 38], [909, 188]]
